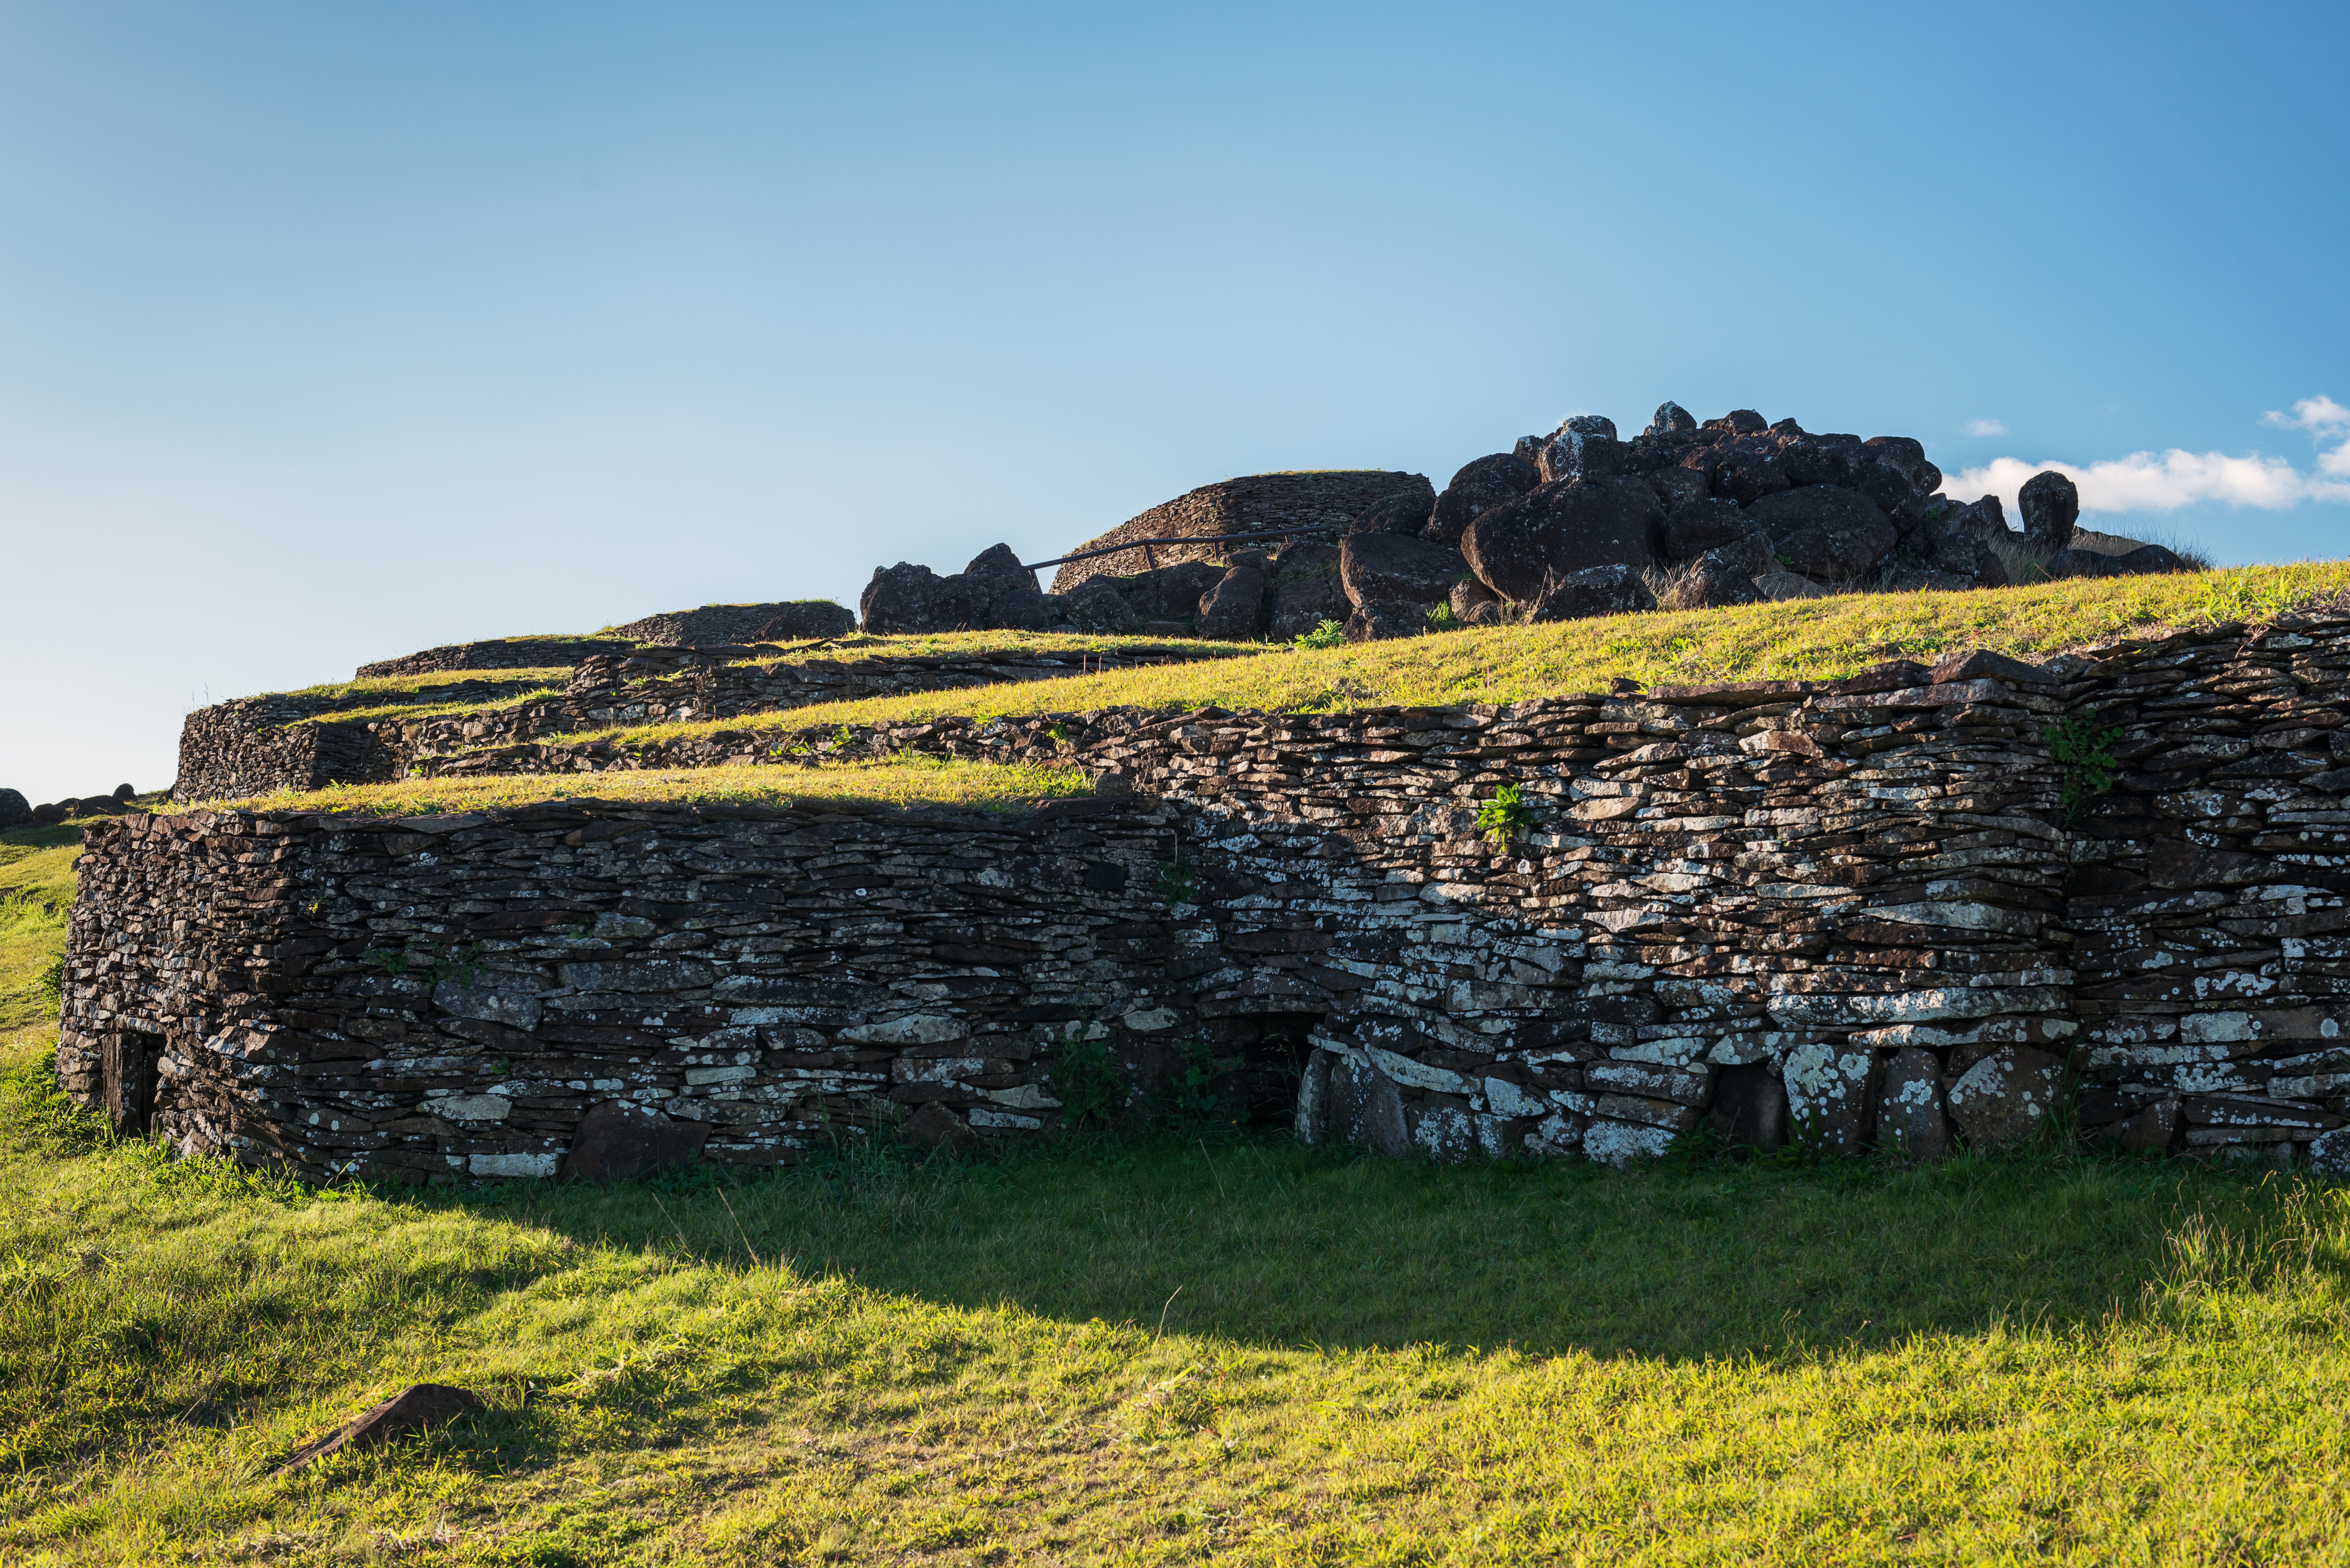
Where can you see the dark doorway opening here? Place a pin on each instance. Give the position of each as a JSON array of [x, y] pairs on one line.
[[132, 1066], [1272, 1048]]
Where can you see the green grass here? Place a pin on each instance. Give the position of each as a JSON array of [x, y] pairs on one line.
[[1164, 1352], [1796, 639], [408, 696], [916, 781]]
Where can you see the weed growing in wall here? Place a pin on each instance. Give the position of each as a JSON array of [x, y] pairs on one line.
[[1329, 634], [1503, 819], [2085, 758], [1087, 1078], [1193, 1105], [1441, 619], [1179, 881]]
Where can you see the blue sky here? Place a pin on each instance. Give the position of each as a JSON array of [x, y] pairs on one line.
[[327, 333]]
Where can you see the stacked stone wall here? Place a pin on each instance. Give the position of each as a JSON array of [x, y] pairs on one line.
[[1882, 912], [499, 653]]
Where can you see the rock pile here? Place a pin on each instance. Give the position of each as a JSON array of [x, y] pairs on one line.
[[16, 812]]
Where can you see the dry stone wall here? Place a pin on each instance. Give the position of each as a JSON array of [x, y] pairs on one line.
[[1882, 912], [1315, 503], [598, 990], [499, 653], [262, 744]]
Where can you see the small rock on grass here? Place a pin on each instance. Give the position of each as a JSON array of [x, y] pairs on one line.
[[419, 1406]]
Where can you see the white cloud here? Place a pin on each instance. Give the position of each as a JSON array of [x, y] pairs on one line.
[[1985, 428], [2321, 417], [2164, 481]]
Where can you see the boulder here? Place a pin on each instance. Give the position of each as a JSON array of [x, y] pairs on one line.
[[1678, 487], [1404, 511], [1365, 1107], [1694, 527], [2156, 1129], [1906, 579], [999, 567], [1831, 1092], [1671, 420], [50, 814], [1020, 609], [1823, 460], [1825, 530], [1906, 458], [1098, 606], [124, 792], [1519, 548], [1967, 555], [1596, 590], [2007, 1096], [1910, 1121], [1745, 471], [1710, 586], [1373, 621], [2051, 507], [1388, 568], [1171, 593], [1749, 555], [1788, 586], [15, 810], [1474, 604], [910, 598], [616, 1140], [1590, 452], [1305, 590], [2096, 563], [1234, 610], [935, 1126], [1478, 488]]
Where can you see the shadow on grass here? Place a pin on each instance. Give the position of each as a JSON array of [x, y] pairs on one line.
[[1266, 1242]]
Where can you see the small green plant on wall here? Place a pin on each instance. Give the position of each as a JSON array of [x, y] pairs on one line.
[[1329, 634], [1502, 820], [1179, 881], [2085, 761], [1193, 1105], [1087, 1077]]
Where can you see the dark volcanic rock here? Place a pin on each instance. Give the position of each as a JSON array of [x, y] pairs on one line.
[[1969, 556], [1171, 593], [1478, 488], [1671, 418], [910, 598], [2051, 508], [1540, 539], [1384, 568], [1678, 487], [2007, 1096], [1694, 527], [1596, 590], [1825, 530], [15, 811], [1474, 604], [617, 1141], [1911, 1123], [419, 1406], [1305, 590], [1584, 447], [1235, 609], [1712, 587], [1749, 555], [1097, 606], [1373, 621], [1747, 470], [1000, 568], [1906, 457], [1404, 511]]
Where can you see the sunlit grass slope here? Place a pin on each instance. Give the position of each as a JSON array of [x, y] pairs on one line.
[[1797, 639], [917, 781], [1171, 1350]]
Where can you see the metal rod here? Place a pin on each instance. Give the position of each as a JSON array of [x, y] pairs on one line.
[[1144, 545]]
